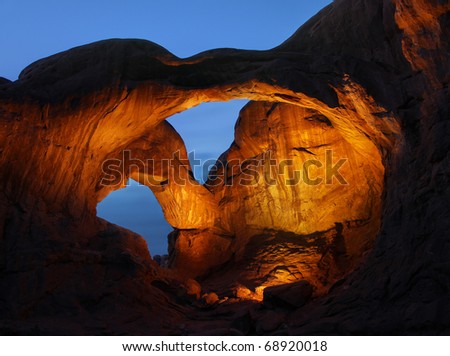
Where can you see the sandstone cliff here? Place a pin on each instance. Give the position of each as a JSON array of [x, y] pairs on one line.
[[365, 81]]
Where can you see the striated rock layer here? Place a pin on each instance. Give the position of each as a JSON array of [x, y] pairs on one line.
[[353, 109]]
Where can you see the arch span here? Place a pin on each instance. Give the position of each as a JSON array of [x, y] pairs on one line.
[[355, 73], [101, 133]]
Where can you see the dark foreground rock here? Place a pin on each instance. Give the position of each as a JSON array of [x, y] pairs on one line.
[[291, 296], [366, 80]]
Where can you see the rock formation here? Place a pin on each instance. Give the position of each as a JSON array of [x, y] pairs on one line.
[[353, 109]]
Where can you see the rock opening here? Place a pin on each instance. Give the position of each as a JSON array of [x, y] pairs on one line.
[[135, 207]]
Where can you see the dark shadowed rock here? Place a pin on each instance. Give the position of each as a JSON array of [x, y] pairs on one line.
[[293, 295], [366, 80], [4, 81], [270, 321], [244, 323]]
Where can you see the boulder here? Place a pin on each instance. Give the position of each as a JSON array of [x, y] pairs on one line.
[[293, 295]]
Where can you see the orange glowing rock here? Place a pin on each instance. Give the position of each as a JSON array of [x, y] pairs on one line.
[[353, 108]]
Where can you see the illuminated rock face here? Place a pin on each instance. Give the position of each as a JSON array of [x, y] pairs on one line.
[[289, 172], [287, 164], [363, 81]]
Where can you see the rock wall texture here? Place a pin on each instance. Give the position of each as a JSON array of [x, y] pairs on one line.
[[363, 252]]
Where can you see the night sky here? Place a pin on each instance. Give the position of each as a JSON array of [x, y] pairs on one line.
[[31, 30]]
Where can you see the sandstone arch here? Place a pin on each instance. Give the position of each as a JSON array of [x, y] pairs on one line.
[[383, 92]]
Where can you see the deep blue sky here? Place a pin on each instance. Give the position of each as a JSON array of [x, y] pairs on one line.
[[30, 30]]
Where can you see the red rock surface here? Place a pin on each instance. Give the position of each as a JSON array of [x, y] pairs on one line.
[[367, 79]]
